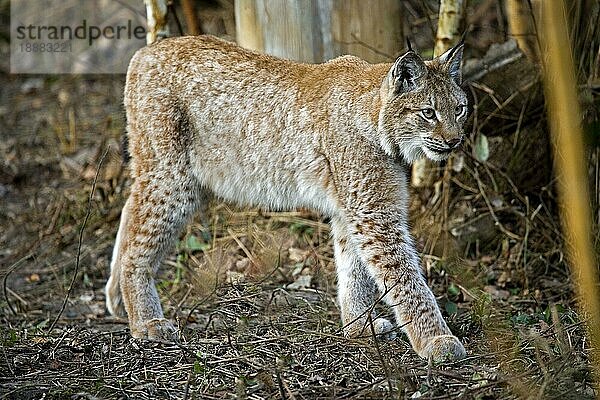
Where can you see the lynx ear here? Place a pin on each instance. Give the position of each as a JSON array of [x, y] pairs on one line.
[[452, 61], [407, 72]]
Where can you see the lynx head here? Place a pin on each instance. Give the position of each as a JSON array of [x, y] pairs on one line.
[[423, 108]]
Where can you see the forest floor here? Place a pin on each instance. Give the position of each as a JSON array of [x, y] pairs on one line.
[[253, 292]]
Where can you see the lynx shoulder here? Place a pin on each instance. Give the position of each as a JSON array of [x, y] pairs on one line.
[[205, 116]]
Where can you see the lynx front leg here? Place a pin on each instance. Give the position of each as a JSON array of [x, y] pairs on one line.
[[157, 209], [386, 248], [357, 291]]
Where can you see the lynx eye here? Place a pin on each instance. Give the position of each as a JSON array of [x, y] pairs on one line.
[[459, 110], [428, 113]]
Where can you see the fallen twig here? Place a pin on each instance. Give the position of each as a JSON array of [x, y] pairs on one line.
[[80, 242]]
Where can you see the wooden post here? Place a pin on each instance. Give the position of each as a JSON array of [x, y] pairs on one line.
[[247, 25], [318, 30], [371, 30], [282, 28]]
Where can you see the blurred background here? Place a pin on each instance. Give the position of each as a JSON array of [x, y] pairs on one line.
[[254, 291]]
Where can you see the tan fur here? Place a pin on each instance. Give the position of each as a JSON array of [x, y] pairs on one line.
[[206, 116]]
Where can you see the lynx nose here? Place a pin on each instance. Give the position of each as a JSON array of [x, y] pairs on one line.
[[454, 143]]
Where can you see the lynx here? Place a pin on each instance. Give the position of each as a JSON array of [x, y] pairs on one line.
[[206, 117]]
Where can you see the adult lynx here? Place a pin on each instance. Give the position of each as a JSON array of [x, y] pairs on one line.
[[206, 116]]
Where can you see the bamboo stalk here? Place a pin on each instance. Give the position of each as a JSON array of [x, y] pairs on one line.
[[191, 19], [569, 158], [521, 26], [156, 15], [450, 24]]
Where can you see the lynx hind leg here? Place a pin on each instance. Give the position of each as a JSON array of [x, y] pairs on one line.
[[161, 203], [357, 294], [204, 198], [114, 300]]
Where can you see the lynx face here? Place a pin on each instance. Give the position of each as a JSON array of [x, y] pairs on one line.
[[423, 107]]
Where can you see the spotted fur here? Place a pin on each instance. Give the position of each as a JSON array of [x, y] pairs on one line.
[[206, 116]]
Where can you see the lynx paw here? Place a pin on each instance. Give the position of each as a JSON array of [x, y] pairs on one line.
[[159, 329], [443, 348], [384, 329]]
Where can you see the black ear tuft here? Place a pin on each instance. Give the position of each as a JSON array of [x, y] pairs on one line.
[[452, 60], [408, 72]]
